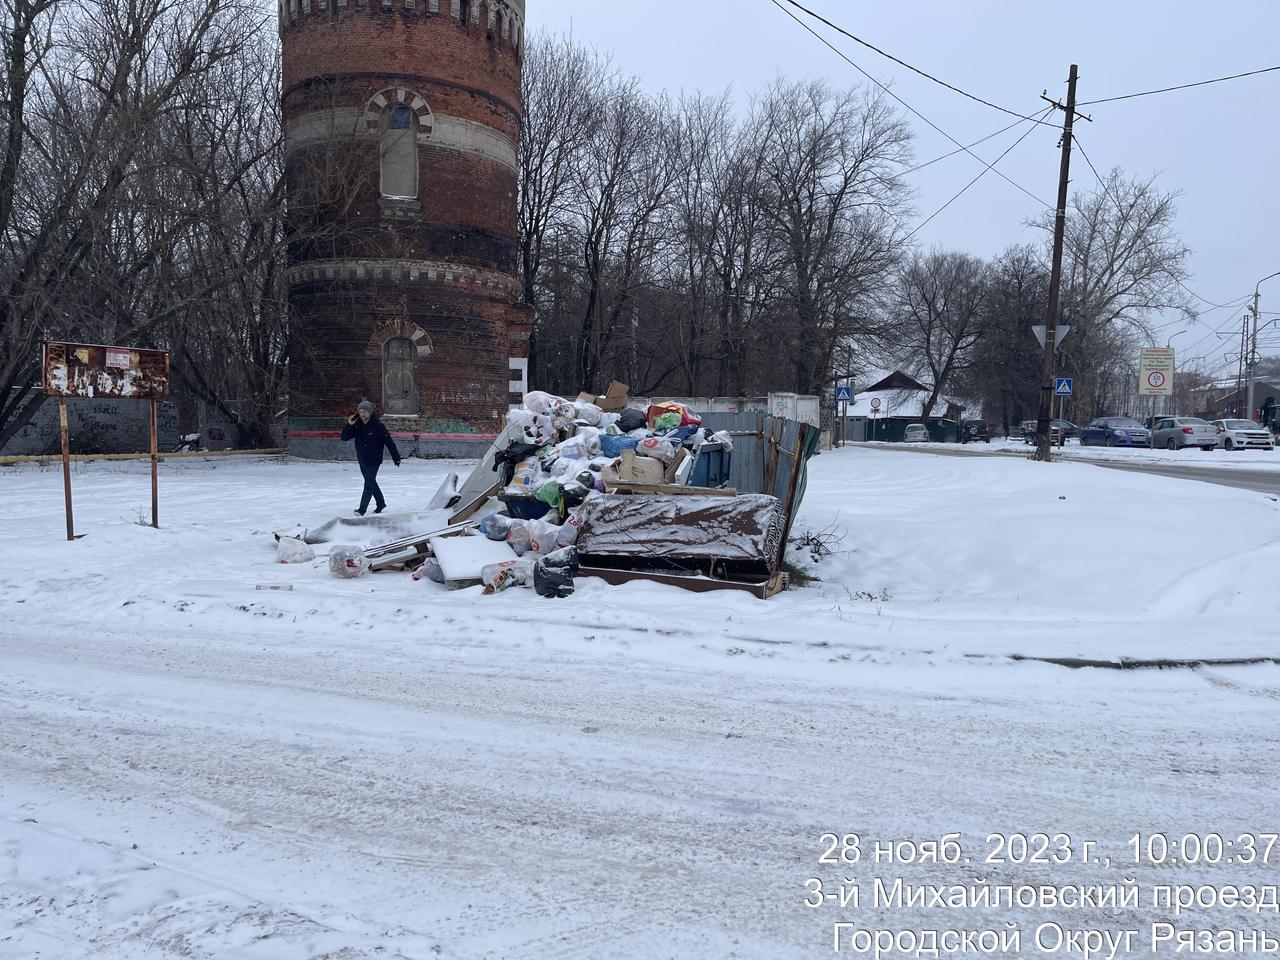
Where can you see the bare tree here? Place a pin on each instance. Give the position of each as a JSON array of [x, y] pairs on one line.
[[87, 85], [940, 309], [832, 169]]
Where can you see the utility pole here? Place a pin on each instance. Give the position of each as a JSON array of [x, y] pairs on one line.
[[1252, 361], [1043, 433]]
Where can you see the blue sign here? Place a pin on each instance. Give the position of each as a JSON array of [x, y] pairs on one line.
[[844, 393], [1062, 387]]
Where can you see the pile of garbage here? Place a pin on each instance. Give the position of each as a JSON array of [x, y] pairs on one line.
[[560, 455]]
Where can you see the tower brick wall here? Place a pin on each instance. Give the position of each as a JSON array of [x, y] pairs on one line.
[[401, 122]]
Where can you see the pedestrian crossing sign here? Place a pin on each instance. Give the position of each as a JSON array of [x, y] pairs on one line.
[[844, 393], [1062, 387]]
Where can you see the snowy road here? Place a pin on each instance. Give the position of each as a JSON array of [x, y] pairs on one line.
[[193, 768]]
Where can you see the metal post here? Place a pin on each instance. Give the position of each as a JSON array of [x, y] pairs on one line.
[[1043, 434], [66, 465], [155, 496], [1252, 361]]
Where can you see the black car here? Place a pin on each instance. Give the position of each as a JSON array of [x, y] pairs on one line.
[[971, 431]]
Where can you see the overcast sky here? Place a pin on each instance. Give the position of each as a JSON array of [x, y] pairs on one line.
[[1218, 144]]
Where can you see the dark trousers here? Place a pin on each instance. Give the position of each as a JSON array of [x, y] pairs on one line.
[[371, 490]]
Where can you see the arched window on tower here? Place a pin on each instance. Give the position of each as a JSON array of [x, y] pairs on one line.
[[400, 153], [399, 377]]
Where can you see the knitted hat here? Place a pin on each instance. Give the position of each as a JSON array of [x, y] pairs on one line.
[[365, 405]]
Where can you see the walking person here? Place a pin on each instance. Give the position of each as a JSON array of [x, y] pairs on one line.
[[371, 435]]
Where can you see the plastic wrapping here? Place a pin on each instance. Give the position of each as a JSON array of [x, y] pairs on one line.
[[347, 563], [518, 537], [498, 577], [724, 439], [429, 569], [290, 550], [495, 526]]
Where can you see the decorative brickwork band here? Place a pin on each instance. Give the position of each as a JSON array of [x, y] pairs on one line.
[[414, 101], [411, 271]]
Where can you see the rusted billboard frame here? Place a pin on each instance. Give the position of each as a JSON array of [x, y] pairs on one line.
[[144, 376]]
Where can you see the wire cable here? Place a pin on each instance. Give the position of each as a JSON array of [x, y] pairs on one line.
[[966, 187], [1181, 86], [975, 143], [902, 63], [845, 57]]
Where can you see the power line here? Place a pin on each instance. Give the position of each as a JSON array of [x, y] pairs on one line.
[[1007, 151], [1181, 86], [928, 76], [975, 143], [845, 57]]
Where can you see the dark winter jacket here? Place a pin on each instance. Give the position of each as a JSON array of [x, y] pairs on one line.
[[370, 438]]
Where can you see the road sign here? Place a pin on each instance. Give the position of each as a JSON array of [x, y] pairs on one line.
[[844, 393], [875, 403], [1062, 387], [1155, 372], [1060, 333]]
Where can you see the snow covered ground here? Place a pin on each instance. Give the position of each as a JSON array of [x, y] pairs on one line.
[[192, 767], [1188, 456]]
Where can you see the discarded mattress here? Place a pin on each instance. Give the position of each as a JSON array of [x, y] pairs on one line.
[[740, 535]]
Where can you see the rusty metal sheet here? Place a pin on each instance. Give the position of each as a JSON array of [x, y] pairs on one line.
[[740, 534], [95, 370]]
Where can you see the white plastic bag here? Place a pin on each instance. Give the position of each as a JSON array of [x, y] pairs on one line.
[[658, 449], [509, 573], [542, 403], [347, 563], [589, 413], [542, 536], [290, 550], [724, 439]]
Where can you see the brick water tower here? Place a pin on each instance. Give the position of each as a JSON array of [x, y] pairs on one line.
[[401, 124]]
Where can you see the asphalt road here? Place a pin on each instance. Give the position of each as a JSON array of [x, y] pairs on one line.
[[1262, 481]]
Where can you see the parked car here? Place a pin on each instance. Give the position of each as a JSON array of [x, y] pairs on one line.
[[1114, 432], [1243, 434], [971, 431], [1029, 427], [915, 433], [1068, 428], [1174, 433]]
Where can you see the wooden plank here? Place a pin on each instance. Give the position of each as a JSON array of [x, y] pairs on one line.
[[661, 489], [764, 589], [471, 508]]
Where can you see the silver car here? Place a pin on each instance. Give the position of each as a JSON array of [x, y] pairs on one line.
[[915, 433], [1243, 434], [1175, 433]]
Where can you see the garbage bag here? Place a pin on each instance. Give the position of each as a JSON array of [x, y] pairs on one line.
[[495, 526], [549, 493], [724, 440], [290, 550], [612, 447], [568, 534], [541, 403], [519, 538], [347, 563], [632, 419], [573, 493], [429, 569], [527, 475], [542, 536], [667, 421], [658, 449], [497, 577], [589, 413], [553, 574]]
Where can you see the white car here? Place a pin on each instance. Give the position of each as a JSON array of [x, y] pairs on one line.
[[1243, 434], [915, 433]]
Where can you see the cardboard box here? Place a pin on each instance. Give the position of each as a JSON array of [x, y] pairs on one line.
[[616, 399], [633, 469]]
